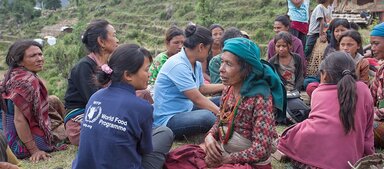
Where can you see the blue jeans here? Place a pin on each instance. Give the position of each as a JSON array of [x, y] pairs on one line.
[[191, 123], [197, 121]]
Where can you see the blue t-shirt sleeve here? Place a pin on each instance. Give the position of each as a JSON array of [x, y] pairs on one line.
[[199, 74], [182, 77]]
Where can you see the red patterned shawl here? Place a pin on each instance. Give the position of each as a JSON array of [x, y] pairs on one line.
[[29, 94]]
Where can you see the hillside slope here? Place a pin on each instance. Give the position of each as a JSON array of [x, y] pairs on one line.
[[143, 22]]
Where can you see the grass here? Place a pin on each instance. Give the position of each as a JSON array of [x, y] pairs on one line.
[[59, 160], [138, 21], [63, 159]]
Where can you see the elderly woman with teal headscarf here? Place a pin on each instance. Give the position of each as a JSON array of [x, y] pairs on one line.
[[243, 136], [377, 86]]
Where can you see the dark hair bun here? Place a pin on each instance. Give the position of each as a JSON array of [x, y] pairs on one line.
[[84, 38], [190, 30]]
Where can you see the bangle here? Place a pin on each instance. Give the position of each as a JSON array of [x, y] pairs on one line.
[[28, 141], [31, 146]]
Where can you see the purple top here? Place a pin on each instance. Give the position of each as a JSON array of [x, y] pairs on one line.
[[297, 47]]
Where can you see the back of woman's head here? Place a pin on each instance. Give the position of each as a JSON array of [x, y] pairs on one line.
[[172, 32], [197, 34], [285, 36], [126, 58], [340, 69], [97, 28], [17, 50], [229, 33], [283, 19]]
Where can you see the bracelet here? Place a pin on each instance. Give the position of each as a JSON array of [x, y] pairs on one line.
[[28, 141], [30, 145]]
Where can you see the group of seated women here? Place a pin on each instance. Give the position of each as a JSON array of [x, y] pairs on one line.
[[115, 128]]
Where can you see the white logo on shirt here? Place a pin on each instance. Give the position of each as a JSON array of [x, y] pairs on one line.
[[93, 113]]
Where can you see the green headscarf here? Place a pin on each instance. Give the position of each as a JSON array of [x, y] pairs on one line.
[[262, 80]]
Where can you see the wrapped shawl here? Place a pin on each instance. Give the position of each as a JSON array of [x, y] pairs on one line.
[[29, 94]]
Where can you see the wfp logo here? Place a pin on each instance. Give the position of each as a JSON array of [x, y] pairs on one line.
[[93, 113]]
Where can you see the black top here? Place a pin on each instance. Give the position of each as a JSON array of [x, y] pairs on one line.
[[299, 75], [81, 84]]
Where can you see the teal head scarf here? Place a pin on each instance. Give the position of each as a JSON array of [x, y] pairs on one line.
[[262, 80], [378, 30]]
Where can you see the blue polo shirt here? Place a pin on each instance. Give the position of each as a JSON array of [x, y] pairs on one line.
[[175, 77], [116, 130]]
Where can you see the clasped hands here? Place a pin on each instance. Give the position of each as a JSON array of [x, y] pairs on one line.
[[214, 153]]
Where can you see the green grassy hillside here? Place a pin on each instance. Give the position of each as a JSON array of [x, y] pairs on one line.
[[139, 21]]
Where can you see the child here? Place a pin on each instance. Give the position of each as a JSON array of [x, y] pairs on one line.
[[318, 22], [351, 43], [290, 69]]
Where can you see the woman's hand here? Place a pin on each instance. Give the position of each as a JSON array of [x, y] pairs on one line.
[[39, 155], [323, 37], [215, 164], [213, 151], [211, 164]]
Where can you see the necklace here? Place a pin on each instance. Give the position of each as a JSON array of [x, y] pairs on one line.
[[228, 119]]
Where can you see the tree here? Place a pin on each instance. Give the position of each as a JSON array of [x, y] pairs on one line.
[[22, 10], [204, 10], [52, 4]]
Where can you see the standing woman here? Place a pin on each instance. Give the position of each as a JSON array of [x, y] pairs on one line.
[[180, 87], [339, 128], [351, 43], [33, 125], [174, 39], [117, 125], [100, 41]]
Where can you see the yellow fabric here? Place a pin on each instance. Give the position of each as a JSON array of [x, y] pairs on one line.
[[12, 158]]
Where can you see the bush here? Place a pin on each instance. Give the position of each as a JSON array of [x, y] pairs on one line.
[[60, 58]]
